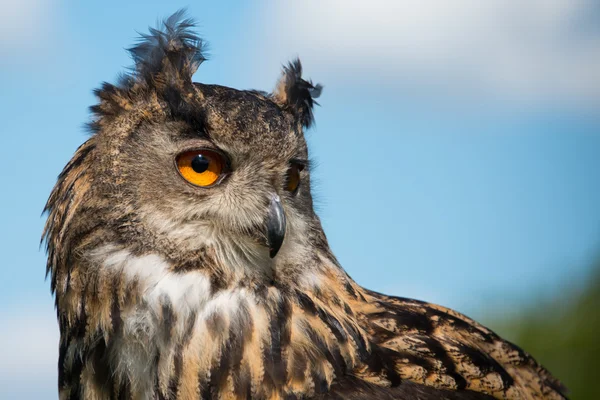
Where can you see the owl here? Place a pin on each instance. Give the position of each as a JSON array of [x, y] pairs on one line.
[[187, 262]]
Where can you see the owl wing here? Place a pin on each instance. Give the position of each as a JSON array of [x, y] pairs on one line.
[[435, 348]]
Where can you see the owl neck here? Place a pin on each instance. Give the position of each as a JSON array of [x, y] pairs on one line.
[[180, 328]]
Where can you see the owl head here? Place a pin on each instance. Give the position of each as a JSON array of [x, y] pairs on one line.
[[193, 172]]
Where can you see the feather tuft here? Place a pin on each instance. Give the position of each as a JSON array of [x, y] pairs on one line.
[[170, 51], [164, 61], [297, 94]]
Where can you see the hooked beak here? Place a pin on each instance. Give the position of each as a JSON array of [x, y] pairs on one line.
[[275, 225]]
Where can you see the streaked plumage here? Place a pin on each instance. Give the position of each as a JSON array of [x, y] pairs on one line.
[[166, 290]]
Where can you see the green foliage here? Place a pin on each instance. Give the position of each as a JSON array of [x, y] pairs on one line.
[[564, 336]]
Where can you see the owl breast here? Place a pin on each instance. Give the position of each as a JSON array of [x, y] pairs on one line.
[[174, 331]]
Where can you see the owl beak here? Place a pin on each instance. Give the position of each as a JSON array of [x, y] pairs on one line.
[[275, 225]]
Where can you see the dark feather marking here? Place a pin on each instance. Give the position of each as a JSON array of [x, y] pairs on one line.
[[350, 290], [381, 334], [176, 376], [161, 395], [412, 359], [125, 391], [338, 362], [87, 229], [335, 359], [406, 318], [132, 291], [383, 360], [320, 383], [53, 280], [348, 310], [215, 324], [298, 368], [279, 328], [196, 262], [204, 386], [242, 385], [267, 384], [339, 332], [232, 356], [486, 363], [189, 328], [460, 324], [62, 352], [359, 340], [79, 327], [168, 317], [74, 376], [100, 364], [219, 371], [113, 390], [182, 110], [67, 193], [523, 356], [242, 329], [306, 303], [333, 324], [217, 282], [115, 312], [157, 389], [75, 392], [439, 353]]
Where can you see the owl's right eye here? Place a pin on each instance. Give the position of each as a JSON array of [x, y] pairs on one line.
[[201, 167], [293, 177]]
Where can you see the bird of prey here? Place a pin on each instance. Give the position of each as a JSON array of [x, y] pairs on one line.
[[187, 262]]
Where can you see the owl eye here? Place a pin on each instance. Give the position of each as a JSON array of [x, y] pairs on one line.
[[200, 167], [293, 177]]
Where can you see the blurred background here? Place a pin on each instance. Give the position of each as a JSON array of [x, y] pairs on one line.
[[457, 149]]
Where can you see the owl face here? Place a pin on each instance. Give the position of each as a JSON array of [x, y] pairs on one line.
[[184, 167], [235, 166]]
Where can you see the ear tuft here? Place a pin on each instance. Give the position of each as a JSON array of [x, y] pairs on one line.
[[169, 53], [165, 60], [296, 94]]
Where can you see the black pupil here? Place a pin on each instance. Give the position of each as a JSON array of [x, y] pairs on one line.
[[200, 163]]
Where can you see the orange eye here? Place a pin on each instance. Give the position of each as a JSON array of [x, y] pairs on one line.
[[200, 167], [293, 177]]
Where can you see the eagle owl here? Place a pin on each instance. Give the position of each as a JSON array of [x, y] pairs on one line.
[[187, 261]]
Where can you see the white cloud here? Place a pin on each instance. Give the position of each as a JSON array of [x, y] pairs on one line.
[[528, 50]]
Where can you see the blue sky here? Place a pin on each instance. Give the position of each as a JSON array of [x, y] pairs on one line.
[[457, 152]]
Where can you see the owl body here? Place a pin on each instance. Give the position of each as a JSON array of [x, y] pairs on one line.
[[187, 262]]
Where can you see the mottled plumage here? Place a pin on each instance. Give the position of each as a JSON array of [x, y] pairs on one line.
[[168, 290]]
